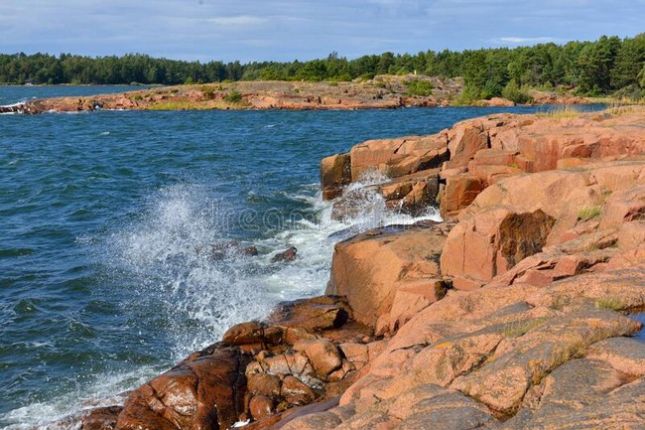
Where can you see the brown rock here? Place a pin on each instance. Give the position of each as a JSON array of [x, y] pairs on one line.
[[264, 384], [297, 392], [355, 352], [204, 391], [412, 193], [101, 418], [478, 248], [285, 256], [260, 407], [498, 102], [322, 354], [318, 313], [623, 354], [335, 172], [412, 298], [244, 333]]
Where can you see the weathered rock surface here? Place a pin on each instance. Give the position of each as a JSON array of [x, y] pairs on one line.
[[372, 269], [502, 226]]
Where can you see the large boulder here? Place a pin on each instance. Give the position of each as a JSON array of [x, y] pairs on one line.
[[370, 268]]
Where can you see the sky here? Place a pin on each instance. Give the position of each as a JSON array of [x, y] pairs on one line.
[[257, 30]]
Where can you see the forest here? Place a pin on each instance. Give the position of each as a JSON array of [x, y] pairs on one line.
[[607, 66]]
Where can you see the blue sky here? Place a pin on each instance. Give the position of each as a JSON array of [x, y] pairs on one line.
[[286, 30]]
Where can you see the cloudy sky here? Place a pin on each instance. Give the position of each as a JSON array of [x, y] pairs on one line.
[[285, 30]]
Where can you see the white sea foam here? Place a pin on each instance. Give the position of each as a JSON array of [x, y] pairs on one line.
[[167, 249], [59, 413]]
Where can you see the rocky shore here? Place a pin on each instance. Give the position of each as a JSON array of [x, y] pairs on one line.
[[382, 92], [515, 312]]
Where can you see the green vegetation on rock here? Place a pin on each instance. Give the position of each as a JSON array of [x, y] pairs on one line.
[[233, 97], [418, 87]]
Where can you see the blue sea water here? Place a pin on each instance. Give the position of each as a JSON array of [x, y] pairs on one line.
[[107, 223]]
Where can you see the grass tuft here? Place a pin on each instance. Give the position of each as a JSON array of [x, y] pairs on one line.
[[611, 303], [587, 213], [566, 112], [520, 328]]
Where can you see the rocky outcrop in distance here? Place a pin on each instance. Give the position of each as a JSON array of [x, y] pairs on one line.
[[515, 312], [382, 92]]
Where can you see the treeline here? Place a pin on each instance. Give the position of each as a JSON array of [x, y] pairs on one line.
[[608, 65]]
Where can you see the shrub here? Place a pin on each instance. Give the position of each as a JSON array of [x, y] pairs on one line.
[[515, 93], [630, 93], [418, 87], [469, 95], [233, 97], [209, 93]]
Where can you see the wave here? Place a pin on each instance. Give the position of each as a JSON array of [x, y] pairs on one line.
[[183, 256]]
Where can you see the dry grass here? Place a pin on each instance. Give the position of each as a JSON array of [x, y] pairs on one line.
[[520, 328], [627, 107], [611, 303], [192, 105], [565, 112], [587, 213]]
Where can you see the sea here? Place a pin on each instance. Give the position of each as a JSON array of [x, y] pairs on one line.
[[120, 231]]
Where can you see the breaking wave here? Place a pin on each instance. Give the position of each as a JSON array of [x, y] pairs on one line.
[[189, 272]]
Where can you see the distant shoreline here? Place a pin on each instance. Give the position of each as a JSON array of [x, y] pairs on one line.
[[382, 92]]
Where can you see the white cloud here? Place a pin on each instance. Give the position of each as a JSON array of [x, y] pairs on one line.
[[521, 40], [238, 20]]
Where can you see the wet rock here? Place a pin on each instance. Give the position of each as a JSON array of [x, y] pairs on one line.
[[220, 251], [240, 334], [260, 407], [204, 391], [315, 314], [285, 256], [101, 418], [250, 251], [264, 384]]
